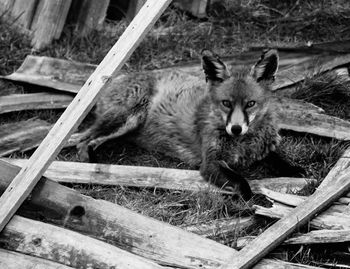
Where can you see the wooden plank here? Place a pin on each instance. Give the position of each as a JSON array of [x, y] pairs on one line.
[[22, 135], [220, 226], [91, 15], [197, 8], [320, 237], [119, 226], [336, 217], [33, 101], [314, 123], [25, 181], [279, 231], [48, 22], [150, 177], [15, 260], [62, 75], [23, 11], [67, 247]]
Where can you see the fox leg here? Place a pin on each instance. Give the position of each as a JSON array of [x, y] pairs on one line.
[[216, 171], [103, 130]]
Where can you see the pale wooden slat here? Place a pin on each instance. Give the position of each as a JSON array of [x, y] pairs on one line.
[[15, 260], [25, 181], [48, 21], [150, 177], [279, 231], [33, 101], [23, 11], [67, 247]]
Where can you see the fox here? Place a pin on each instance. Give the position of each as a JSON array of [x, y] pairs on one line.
[[221, 124]]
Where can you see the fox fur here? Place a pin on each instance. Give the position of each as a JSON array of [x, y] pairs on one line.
[[222, 124]]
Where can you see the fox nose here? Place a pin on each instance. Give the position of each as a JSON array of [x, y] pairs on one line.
[[236, 129]]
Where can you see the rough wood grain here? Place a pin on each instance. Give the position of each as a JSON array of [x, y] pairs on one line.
[[336, 217], [90, 16], [23, 11], [33, 101], [25, 181], [220, 226], [320, 237], [279, 231], [314, 123], [15, 260], [48, 22], [151, 177], [58, 74], [67, 247], [124, 228], [22, 135]]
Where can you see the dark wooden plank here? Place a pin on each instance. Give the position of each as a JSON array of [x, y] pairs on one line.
[[22, 135]]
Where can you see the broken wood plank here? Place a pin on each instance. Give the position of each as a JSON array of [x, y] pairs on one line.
[[119, 226], [48, 22], [320, 237], [336, 217], [23, 12], [33, 101], [314, 123], [15, 260], [220, 226], [67, 247], [150, 177], [22, 135], [58, 74], [25, 181], [279, 231]]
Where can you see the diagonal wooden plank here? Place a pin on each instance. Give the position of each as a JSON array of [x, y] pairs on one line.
[[27, 178], [278, 232]]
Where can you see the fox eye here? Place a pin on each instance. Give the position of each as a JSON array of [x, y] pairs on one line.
[[250, 104], [226, 103]]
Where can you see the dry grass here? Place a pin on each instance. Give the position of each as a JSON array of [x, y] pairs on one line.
[[231, 27]]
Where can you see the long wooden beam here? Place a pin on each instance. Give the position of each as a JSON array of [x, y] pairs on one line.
[[278, 232], [25, 181]]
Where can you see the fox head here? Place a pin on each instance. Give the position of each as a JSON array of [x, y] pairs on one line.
[[239, 100]]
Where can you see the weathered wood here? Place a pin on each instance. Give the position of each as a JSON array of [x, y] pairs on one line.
[[133, 8], [279, 231], [133, 232], [23, 12], [33, 101], [313, 237], [67, 247], [277, 264], [119, 226], [48, 22], [91, 15], [151, 177], [314, 123], [197, 8], [220, 226], [22, 135], [25, 181], [336, 217], [15, 260], [320, 237], [62, 75], [70, 76]]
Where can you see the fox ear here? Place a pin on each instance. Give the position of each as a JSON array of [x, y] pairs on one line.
[[214, 68], [265, 69]]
